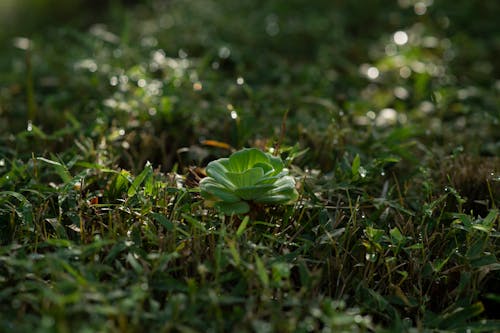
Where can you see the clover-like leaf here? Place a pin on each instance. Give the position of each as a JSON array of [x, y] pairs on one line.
[[249, 175]]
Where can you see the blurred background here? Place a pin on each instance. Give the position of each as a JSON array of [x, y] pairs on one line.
[[25, 17], [160, 76]]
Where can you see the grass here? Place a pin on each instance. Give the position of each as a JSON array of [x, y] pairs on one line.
[[104, 133]]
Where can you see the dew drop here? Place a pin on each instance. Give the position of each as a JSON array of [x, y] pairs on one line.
[[405, 72], [372, 73], [197, 86], [29, 128], [401, 93], [400, 37], [371, 115], [22, 43], [113, 81], [420, 8], [387, 116], [224, 52]]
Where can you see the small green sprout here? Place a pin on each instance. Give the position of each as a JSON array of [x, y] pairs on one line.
[[248, 175]]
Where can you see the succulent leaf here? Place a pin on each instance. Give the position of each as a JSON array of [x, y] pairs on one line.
[[268, 168], [276, 163], [247, 175], [213, 190], [217, 170], [229, 208], [252, 192], [246, 158], [282, 192], [246, 178]]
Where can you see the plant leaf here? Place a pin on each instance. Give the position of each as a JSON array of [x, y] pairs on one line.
[[283, 191], [242, 227], [147, 172], [211, 189], [279, 198], [253, 192], [247, 178], [277, 163], [217, 170], [230, 208], [356, 163], [261, 271], [246, 158]]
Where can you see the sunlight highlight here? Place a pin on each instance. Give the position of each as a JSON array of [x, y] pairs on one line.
[[400, 37], [372, 73]]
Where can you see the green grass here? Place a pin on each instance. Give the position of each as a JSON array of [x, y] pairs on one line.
[[395, 150]]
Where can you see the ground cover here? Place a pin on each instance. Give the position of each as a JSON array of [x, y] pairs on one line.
[[386, 115]]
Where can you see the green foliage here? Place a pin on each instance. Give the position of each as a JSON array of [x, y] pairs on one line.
[[391, 138], [248, 175]]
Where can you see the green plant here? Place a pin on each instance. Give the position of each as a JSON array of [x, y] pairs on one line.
[[248, 175]]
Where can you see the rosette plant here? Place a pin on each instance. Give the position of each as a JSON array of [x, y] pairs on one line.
[[248, 176]]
